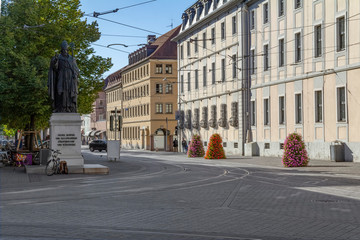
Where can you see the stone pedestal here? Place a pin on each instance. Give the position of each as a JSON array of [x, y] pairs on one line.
[[65, 135]]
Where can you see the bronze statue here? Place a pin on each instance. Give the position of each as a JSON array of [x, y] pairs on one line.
[[63, 81]]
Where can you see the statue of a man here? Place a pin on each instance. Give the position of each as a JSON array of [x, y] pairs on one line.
[[63, 81]]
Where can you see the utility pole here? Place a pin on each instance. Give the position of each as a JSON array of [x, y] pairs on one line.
[[116, 121], [166, 144]]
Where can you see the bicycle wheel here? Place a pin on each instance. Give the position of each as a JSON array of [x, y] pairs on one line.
[[50, 167]]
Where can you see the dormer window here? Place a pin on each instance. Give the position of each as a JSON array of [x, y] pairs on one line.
[[207, 6], [199, 8], [185, 19], [192, 15]]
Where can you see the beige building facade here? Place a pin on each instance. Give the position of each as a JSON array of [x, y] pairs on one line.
[[304, 61], [144, 93]]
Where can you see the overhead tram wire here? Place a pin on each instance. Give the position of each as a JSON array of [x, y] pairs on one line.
[[99, 45], [96, 14]]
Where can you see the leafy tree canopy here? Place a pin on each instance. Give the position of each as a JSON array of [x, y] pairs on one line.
[[31, 34]]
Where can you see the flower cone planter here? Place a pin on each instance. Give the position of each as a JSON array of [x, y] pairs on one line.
[[215, 149]]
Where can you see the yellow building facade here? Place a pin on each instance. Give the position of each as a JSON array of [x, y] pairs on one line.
[[145, 95]]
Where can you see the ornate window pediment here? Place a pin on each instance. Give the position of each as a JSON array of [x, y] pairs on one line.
[[234, 119], [212, 121], [223, 116], [188, 119], [204, 118]]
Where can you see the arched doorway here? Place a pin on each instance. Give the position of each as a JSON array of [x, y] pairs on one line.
[[159, 139]]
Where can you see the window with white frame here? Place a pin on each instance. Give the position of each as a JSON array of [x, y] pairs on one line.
[[158, 69], [196, 79], [318, 41], [281, 52], [252, 20], [168, 68], [196, 45], [297, 4], [266, 12], [168, 88], [158, 108], [188, 48], [159, 88], [204, 76], [281, 5], [298, 108], [189, 82], [318, 107], [340, 30], [266, 57], [223, 70], [168, 108], [234, 25], [234, 66], [281, 110], [182, 52], [223, 32], [213, 72], [266, 111], [213, 35], [253, 112], [204, 40], [252, 61], [298, 47], [341, 104], [182, 84]]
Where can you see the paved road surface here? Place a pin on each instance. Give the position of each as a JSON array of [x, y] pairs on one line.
[[168, 196]]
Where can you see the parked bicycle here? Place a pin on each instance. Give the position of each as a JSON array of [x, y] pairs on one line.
[[53, 165]]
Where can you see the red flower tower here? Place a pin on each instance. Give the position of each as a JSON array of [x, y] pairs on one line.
[[215, 149]]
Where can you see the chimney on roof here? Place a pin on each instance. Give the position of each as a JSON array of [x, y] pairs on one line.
[[151, 39]]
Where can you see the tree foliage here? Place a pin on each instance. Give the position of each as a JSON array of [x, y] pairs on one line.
[[32, 31]]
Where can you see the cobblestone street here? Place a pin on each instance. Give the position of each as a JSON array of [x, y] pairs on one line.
[[168, 196]]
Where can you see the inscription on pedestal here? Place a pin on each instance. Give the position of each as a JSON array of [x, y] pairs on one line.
[[66, 139]]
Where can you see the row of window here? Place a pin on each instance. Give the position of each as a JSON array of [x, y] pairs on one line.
[[205, 73], [159, 88], [113, 96], [318, 47], [137, 111], [199, 9], [132, 133], [137, 74], [144, 110], [298, 108], [159, 108], [159, 69], [136, 93], [281, 11], [195, 41]]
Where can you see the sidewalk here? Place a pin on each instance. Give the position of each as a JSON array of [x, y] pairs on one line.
[[350, 169]]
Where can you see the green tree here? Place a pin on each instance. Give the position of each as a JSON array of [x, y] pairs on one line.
[[32, 31], [9, 132]]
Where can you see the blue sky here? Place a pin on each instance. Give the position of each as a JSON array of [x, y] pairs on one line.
[[155, 16]]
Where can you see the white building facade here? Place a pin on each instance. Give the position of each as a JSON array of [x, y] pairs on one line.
[[305, 63], [212, 88], [280, 66]]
